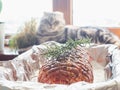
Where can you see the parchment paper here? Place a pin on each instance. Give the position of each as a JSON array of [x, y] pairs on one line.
[[21, 72]]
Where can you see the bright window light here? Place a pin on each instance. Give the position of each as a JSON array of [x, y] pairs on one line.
[[15, 12], [103, 13]]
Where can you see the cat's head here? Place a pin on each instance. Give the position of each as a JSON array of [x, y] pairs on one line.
[[52, 21]]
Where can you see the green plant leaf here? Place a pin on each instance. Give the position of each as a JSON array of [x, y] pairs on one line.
[[26, 35], [56, 51], [0, 5]]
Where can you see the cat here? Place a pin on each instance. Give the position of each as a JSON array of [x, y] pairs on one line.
[[51, 27], [51, 21], [49, 31], [98, 35]]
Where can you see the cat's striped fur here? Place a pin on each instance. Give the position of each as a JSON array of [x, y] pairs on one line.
[[62, 33], [97, 35]]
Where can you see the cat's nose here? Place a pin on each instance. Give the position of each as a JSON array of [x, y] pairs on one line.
[[52, 27]]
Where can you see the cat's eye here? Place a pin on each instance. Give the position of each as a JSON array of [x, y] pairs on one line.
[[47, 22], [56, 22]]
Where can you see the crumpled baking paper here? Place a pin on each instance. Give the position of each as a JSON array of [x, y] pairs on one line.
[[21, 72]]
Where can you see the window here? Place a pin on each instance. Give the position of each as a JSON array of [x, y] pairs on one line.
[[16, 12], [64, 6], [103, 13]]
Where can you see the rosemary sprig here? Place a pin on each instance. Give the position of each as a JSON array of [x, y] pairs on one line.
[[55, 51]]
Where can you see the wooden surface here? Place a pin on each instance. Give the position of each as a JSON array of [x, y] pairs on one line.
[[64, 6], [8, 54], [115, 30], [5, 57]]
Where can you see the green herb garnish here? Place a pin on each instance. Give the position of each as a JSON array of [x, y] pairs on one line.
[[55, 51]]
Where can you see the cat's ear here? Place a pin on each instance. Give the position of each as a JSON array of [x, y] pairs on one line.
[[46, 13], [59, 13]]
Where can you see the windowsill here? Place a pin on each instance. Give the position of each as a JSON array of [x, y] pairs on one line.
[[115, 30], [8, 54]]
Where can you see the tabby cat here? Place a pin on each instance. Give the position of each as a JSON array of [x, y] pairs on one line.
[[51, 21], [52, 28]]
